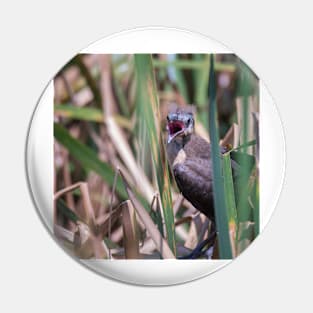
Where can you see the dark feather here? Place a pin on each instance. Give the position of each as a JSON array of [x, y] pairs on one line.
[[194, 180]]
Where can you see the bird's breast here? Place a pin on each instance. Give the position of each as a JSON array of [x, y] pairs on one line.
[[180, 157]]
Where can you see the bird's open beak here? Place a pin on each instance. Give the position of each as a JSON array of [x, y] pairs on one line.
[[175, 128]]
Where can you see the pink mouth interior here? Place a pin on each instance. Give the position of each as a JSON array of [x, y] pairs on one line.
[[175, 127]]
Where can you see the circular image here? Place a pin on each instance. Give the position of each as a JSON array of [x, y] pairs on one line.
[[145, 160]]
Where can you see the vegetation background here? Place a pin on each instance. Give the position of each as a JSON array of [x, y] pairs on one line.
[[109, 114]]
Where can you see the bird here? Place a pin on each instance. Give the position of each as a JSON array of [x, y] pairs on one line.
[[189, 157]]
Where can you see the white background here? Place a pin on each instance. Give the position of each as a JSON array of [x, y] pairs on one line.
[[274, 39]]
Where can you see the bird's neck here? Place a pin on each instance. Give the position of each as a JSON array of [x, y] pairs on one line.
[[174, 147], [181, 141]]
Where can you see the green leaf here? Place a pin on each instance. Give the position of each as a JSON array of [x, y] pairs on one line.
[[74, 112], [229, 189], [256, 202], [148, 101], [246, 161], [192, 64], [230, 200], [87, 114], [221, 215]]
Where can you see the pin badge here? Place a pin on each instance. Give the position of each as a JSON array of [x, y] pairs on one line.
[[155, 156]]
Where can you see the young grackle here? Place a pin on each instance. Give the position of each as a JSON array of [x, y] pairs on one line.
[[189, 156]]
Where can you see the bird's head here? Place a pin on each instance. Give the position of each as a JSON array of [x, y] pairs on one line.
[[179, 124]]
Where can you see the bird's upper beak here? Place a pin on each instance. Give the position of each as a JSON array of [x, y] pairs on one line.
[[175, 128]]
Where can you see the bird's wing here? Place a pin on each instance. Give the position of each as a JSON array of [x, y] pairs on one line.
[[194, 179]]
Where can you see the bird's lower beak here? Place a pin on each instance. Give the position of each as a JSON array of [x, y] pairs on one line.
[[172, 136]]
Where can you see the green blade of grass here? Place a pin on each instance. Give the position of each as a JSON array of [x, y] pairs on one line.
[[88, 158], [74, 112], [87, 114], [147, 99], [247, 182], [220, 209], [229, 189], [245, 110], [143, 156], [256, 209], [244, 90], [192, 64], [230, 200]]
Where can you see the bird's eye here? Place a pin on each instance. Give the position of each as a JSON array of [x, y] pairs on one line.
[[189, 120]]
